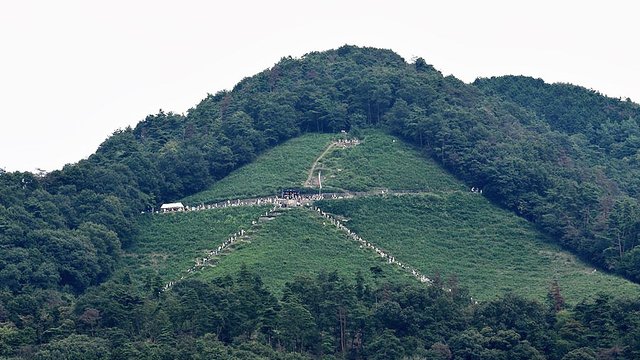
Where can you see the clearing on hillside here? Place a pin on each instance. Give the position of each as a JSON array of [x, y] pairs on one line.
[[383, 161], [490, 250], [445, 229], [285, 166], [300, 243], [168, 244]]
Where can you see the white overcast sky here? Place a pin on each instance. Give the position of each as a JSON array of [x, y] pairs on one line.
[[72, 72]]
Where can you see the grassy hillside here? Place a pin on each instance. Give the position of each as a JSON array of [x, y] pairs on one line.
[[299, 243], [447, 230], [167, 244], [384, 161], [380, 161], [491, 250], [284, 166]]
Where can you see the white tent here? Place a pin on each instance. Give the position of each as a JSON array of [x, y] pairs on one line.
[[172, 207]]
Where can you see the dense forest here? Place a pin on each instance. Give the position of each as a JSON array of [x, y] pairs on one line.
[[318, 317], [561, 156]]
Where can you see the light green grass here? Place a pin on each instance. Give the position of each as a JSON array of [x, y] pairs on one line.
[[384, 161], [490, 250], [451, 231], [297, 243], [284, 166], [168, 244]]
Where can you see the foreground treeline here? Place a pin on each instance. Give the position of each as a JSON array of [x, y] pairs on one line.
[[322, 317]]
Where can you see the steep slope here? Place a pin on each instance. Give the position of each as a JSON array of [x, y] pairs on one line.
[[168, 244], [299, 243], [490, 251], [285, 166], [380, 161], [431, 223]]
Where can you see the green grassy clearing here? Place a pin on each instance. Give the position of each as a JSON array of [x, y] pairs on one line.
[[490, 250], [383, 161], [450, 231], [297, 243], [168, 244], [284, 166]]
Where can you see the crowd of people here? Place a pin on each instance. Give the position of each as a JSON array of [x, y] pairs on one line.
[[230, 203], [289, 201], [347, 142]]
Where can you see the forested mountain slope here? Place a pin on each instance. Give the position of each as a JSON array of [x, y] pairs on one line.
[[602, 172], [61, 233]]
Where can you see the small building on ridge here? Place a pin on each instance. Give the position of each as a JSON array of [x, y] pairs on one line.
[[170, 207]]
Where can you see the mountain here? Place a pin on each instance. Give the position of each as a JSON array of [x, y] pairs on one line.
[[559, 156]]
